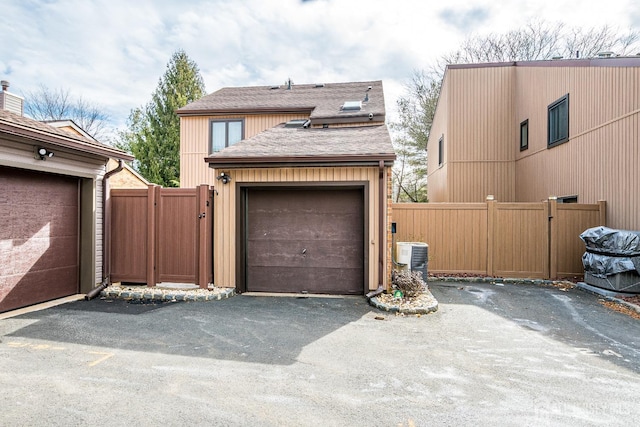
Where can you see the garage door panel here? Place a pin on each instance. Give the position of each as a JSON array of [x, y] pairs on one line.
[[57, 223], [310, 253], [17, 291], [39, 237], [301, 279], [305, 240], [305, 226], [46, 253]]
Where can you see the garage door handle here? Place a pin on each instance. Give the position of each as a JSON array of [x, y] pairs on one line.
[[304, 251]]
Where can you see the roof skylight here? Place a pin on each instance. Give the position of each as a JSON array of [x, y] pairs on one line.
[[352, 106]]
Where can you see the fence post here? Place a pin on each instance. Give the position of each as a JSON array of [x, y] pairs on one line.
[[491, 213], [602, 205], [551, 270], [204, 216], [152, 193]]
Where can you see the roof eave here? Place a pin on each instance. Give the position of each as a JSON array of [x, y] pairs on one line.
[[248, 111], [361, 118], [63, 142], [300, 161]]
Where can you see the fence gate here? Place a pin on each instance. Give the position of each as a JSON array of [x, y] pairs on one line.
[[160, 235]]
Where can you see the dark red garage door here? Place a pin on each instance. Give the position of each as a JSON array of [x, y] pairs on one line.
[[38, 237], [305, 240]]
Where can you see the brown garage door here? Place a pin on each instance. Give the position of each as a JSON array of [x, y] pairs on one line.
[[38, 237], [305, 240]]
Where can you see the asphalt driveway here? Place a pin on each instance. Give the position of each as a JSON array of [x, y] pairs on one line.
[[500, 355]]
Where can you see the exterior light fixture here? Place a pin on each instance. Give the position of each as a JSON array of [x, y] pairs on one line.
[[42, 153], [225, 178]]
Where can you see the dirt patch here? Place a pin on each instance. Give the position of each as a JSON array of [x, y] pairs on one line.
[[633, 300]]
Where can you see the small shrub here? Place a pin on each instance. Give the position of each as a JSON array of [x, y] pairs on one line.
[[409, 282]]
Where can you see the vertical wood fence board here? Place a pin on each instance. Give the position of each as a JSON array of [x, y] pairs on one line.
[[177, 235], [572, 220], [153, 195], [128, 235]]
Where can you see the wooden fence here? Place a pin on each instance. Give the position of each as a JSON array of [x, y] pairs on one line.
[[533, 240], [161, 235]]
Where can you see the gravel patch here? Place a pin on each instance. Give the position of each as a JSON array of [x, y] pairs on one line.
[[163, 294]]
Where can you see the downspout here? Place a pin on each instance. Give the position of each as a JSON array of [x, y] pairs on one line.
[[106, 267], [381, 227]]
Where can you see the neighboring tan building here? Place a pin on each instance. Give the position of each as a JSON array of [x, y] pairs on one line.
[[51, 208], [301, 176], [526, 131], [126, 177]]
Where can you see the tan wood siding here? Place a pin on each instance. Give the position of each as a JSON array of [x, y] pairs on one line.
[[600, 160], [473, 181], [436, 174], [480, 111], [225, 203], [480, 135], [194, 142]]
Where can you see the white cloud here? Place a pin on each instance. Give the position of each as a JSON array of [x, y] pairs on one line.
[[112, 52]]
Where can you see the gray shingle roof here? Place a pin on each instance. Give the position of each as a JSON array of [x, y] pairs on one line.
[[292, 144], [321, 102], [39, 131]]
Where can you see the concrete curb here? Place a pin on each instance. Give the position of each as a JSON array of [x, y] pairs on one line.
[[608, 295], [400, 310], [151, 294], [512, 281]]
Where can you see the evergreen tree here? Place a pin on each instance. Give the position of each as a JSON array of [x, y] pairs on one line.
[[153, 131]]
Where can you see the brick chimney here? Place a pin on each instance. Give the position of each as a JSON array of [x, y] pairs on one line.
[[9, 101]]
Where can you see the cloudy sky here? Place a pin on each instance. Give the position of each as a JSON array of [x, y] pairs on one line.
[[112, 52]]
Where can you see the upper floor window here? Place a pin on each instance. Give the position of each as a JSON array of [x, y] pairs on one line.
[[225, 133], [441, 151], [524, 135], [558, 122]]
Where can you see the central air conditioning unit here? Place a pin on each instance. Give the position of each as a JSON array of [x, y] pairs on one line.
[[413, 256]]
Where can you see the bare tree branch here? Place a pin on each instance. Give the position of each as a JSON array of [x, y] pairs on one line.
[[57, 104]]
